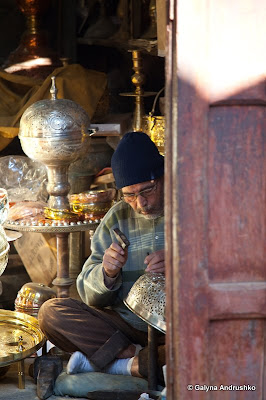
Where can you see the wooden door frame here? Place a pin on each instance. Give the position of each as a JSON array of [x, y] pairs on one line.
[[171, 202], [185, 172], [193, 299]]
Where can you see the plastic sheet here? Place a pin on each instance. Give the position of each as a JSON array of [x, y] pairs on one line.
[[23, 178]]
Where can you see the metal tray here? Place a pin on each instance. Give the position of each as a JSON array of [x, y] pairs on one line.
[[13, 325], [57, 227]]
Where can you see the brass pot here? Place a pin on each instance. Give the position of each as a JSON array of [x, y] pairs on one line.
[[154, 126], [31, 296]]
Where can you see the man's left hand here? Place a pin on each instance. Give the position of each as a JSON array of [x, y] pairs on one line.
[[155, 262]]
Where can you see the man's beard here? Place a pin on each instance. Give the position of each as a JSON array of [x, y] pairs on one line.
[[152, 214]]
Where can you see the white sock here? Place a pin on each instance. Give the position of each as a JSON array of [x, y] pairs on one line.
[[79, 363], [121, 366]]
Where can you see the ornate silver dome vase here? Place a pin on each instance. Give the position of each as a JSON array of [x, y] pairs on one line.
[[55, 132]]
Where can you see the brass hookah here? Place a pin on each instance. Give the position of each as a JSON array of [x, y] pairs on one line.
[[138, 79], [153, 126]]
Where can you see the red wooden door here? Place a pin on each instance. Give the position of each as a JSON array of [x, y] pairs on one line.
[[215, 201]]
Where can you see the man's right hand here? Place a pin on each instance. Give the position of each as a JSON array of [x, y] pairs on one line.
[[114, 259]]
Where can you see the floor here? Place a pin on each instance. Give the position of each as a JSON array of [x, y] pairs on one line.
[[9, 385], [9, 389]]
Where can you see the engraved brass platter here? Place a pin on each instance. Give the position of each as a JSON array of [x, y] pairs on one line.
[[13, 326]]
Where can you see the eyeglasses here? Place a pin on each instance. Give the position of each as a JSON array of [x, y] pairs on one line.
[[131, 197]]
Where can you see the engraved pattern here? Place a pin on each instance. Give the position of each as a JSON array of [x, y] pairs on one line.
[[154, 127], [47, 118], [55, 133], [13, 325], [54, 151], [147, 299]]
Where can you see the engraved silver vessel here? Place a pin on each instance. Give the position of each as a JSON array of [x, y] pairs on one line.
[[56, 133]]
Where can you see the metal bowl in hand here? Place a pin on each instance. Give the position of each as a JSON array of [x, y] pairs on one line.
[[146, 299]]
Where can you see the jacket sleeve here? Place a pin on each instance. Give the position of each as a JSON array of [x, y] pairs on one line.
[[90, 282]]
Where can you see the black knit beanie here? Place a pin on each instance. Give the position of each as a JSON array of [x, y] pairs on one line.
[[136, 160]]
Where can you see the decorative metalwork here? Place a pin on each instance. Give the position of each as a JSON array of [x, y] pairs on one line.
[[55, 227], [154, 126], [13, 325], [55, 132], [147, 299], [31, 296], [138, 79]]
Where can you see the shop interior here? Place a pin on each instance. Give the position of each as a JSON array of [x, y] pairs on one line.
[[107, 57]]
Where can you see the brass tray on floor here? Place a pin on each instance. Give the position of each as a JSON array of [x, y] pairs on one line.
[[20, 336]]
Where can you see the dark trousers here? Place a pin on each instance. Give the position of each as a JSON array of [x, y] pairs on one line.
[[101, 334]]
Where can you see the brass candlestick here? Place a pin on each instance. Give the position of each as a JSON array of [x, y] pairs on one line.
[[138, 79]]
